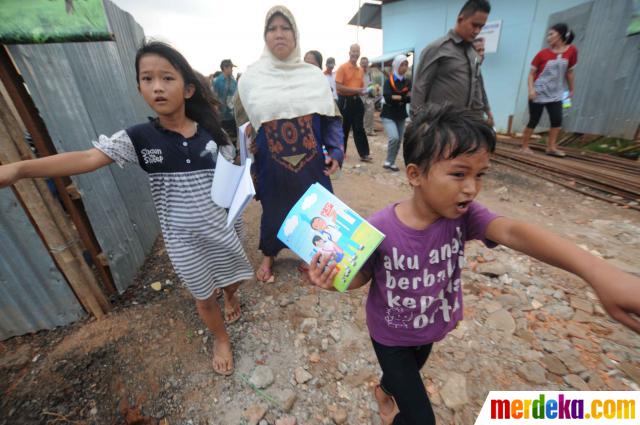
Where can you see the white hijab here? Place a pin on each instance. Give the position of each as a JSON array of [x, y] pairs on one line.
[[272, 89], [397, 61]]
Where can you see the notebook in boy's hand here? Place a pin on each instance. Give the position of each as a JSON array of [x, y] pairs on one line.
[[320, 222]]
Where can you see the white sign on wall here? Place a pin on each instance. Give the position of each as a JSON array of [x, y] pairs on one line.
[[491, 34]]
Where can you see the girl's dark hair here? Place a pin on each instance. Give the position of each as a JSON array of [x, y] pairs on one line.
[[316, 238], [565, 33], [202, 106], [317, 55], [444, 133]]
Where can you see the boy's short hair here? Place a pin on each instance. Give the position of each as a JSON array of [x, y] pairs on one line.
[[473, 6], [439, 133]]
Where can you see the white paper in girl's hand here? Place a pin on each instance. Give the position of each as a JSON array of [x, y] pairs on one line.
[[232, 186], [243, 144]]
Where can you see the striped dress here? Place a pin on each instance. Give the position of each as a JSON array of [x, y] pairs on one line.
[[204, 252]]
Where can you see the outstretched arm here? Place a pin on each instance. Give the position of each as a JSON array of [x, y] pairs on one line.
[[64, 164], [619, 292]]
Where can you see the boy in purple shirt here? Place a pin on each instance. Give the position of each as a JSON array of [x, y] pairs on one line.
[[415, 297]]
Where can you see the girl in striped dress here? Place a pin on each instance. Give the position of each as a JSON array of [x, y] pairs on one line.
[[178, 151]]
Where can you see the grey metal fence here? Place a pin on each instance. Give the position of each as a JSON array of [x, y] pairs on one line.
[[83, 90], [33, 293]]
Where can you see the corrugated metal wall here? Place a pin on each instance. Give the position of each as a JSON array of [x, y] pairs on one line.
[[33, 293], [83, 90], [607, 81]]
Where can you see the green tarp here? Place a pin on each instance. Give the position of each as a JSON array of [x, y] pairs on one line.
[[634, 25], [52, 21]]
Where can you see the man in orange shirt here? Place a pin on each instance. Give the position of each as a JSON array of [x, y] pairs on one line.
[[350, 86]]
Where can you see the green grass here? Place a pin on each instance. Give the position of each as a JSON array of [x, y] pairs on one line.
[[47, 21]]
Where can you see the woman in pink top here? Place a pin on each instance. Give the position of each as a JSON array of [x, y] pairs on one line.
[[550, 68]]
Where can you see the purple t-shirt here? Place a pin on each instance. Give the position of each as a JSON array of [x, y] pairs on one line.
[[416, 296]]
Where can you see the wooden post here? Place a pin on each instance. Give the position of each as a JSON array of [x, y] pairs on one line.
[[42, 141], [510, 125], [57, 232]]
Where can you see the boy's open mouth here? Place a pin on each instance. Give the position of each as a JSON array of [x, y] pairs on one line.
[[462, 206]]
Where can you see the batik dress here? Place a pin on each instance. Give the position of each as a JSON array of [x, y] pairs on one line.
[[205, 253], [289, 159]]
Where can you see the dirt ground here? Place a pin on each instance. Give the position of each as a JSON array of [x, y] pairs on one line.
[[527, 326]]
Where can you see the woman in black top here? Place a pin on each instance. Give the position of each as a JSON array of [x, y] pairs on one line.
[[397, 93]]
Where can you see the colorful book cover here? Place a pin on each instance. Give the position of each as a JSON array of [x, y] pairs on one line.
[[320, 222]]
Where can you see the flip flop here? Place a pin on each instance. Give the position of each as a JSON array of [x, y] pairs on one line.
[[556, 153], [222, 372], [366, 159], [386, 418], [226, 315], [267, 273]]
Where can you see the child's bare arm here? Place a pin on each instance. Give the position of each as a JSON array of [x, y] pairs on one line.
[[321, 275], [619, 292], [64, 164]]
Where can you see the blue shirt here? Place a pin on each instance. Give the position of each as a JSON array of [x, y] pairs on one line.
[[225, 88]]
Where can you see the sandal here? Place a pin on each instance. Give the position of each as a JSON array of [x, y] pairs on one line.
[[387, 418], [366, 159], [232, 313], [556, 153], [218, 369], [267, 275]]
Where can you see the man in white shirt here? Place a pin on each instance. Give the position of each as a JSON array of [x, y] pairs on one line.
[[331, 77]]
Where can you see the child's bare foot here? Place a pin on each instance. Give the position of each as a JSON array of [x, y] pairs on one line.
[[222, 357], [232, 310], [386, 405]]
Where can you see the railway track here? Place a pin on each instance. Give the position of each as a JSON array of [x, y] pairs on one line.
[[605, 177]]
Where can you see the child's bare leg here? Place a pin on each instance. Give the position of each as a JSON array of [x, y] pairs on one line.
[[209, 312], [232, 310]]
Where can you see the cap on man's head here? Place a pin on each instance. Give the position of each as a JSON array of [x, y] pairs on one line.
[[226, 62]]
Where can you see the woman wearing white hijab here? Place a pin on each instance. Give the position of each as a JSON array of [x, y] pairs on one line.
[[293, 115], [397, 93]]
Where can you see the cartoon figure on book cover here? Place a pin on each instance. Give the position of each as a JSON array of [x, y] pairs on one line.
[[343, 224]]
